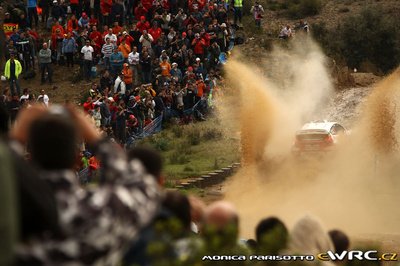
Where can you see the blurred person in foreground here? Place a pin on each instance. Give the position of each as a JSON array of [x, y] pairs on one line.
[[221, 231], [308, 237], [271, 235], [95, 224]]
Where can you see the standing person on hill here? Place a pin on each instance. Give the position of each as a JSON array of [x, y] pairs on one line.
[[87, 52], [68, 49], [257, 11], [12, 70], [238, 12], [45, 64]]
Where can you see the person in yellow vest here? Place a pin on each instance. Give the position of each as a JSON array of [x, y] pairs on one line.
[[12, 70], [238, 6]]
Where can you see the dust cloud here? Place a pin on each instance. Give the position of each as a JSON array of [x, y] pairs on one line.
[[355, 188]]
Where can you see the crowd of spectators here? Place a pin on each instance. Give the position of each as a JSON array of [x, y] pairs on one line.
[[159, 58]]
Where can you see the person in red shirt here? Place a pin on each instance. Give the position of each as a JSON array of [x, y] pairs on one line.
[[155, 32], [117, 28], [105, 6], [140, 11], [96, 36], [93, 21], [88, 105], [73, 25], [198, 44], [128, 38], [75, 8], [142, 24], [57, 26]]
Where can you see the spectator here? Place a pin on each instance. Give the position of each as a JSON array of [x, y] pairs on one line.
[[32, 12], [142, 25], [271, 235], [133, 60], [146, 40], [309, 237], [340, 240], [107, 50], [47, 134], [12, 70], [87, 52], [111, 36], [43, 98], [238, 12], [45, 64], [83, 21], [125, 49], [119, 85], [285, 33], [116, 60], [128, 76], [145, 63], [68, 49], [257, 11]]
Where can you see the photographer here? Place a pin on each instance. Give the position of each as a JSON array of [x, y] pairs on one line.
[[99, 221]]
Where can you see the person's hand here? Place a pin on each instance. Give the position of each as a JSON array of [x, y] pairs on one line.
[[86, 127], [25, 119]]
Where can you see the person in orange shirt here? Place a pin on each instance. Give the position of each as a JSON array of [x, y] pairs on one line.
[[128, 76], [200, 88], [57, 26], [125, 49], [165, 68]]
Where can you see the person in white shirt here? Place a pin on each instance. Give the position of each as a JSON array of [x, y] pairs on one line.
[[119, 84], [43, 98], [286, 32], [146, 40], [111, 35], [87, 52], [133, 60]]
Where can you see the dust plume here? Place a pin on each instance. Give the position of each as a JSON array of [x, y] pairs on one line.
[[353, 188]]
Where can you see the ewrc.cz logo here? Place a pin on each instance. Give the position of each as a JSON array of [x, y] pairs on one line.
[[370, 255]]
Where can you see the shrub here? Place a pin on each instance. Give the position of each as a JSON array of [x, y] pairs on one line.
[[177, 130], [178, 158], [212, 133], [193, 136], [370, 36], [160, 143]]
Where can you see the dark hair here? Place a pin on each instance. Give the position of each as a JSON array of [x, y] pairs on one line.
[[178, 206], [150, 158], [4, 120], [52, 142], [339, 240], [267, 225]]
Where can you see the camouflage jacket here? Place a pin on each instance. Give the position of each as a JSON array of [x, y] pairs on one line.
[[96, 223]]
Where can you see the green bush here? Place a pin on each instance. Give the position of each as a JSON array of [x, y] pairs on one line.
[[160, 143], [370, 36], [177, 130], [193, 135], [212, 134], [178, 158]]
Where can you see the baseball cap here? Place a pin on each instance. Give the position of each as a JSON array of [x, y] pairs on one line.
[[124, 33], [197, 59], [111, 99]]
